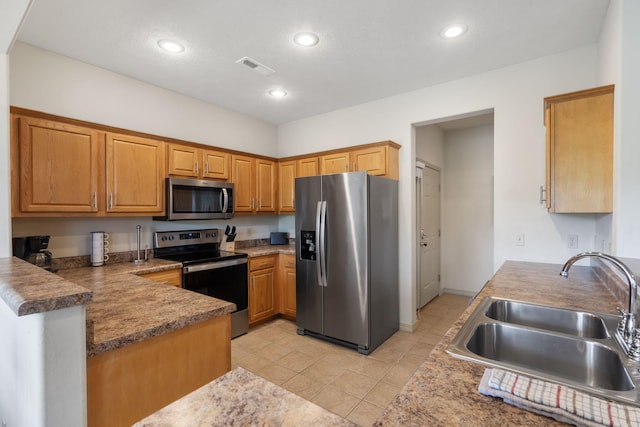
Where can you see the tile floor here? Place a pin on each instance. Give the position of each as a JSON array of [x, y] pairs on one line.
[[352, 385]]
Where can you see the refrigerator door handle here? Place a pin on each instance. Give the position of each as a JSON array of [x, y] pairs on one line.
[[323, 243], [319, 229]]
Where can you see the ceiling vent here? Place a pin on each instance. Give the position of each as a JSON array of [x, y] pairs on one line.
[[254, 65]]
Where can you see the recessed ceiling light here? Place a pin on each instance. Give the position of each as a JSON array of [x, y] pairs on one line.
[[277, 93], [170, 46], [453, 31], [306, 39]]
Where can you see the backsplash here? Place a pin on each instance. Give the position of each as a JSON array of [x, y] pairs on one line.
[[127, 256]]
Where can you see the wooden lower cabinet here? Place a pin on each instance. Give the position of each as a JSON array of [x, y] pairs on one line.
[[287, 285], [129, 383], [272, 287], [262, 280], [169, 277]]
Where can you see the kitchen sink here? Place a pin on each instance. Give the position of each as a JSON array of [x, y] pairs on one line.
[[587, 362], [578, 349], [570, 322]]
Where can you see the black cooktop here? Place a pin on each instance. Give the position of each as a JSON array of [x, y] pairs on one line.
[[191, 246]]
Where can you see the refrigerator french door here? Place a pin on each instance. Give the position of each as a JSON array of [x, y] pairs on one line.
[[347, 258]]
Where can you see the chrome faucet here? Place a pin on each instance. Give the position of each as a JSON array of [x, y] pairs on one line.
[[627, 333]]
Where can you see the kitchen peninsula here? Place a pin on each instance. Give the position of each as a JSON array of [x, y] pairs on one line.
[[147, 343]]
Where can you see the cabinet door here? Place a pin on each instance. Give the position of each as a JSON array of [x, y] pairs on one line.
[[58, 167], [307, 167], [242, 176], [334, 163], [288, 284], [373, 160], [215, 165], [580, 151], [261, 294], [183, 160], [266, 185], [287, 175], [135, 174]]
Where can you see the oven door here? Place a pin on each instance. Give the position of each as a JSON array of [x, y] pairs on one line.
[[225, 280]]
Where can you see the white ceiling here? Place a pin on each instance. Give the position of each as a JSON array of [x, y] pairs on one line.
[[369, 49]]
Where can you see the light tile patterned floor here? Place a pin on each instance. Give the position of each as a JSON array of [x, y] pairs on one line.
[[352, 385]]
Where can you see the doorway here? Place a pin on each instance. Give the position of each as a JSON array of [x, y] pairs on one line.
[[461, 149], [428, 225]]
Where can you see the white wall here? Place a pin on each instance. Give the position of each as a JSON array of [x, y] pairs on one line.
[[44, 81], [72, 237], [467, 210], [515, 94], [430, 145], [623, 21], [44, 375], [5, 168]]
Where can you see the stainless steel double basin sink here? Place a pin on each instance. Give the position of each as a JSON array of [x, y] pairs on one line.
[[574, 348]]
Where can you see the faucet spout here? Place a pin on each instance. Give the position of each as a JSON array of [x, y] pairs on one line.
[[628, 323]]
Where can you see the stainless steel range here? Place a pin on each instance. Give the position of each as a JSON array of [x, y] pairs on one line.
[[208, 270]]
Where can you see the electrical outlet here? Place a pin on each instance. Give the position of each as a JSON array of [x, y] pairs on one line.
[[572, 241], [519, 240]]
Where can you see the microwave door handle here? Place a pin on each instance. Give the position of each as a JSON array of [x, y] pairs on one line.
[[225, 200]]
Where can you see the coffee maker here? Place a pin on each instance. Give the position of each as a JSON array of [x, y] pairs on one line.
[[33, 249]]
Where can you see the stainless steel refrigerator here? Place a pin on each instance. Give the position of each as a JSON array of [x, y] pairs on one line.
[[347, 258]]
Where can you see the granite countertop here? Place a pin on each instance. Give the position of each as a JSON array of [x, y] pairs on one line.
[[444, 390], [28, 289], [255, 251], [127, 308], [242, 398]]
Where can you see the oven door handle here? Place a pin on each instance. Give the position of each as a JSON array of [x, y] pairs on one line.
[[213, 265]]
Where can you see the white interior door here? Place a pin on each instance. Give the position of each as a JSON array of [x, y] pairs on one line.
[[429, 235]]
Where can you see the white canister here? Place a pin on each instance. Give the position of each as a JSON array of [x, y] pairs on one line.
[[99, 248]]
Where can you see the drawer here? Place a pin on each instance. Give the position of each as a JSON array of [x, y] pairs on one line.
[[262, 262], [170, 277]]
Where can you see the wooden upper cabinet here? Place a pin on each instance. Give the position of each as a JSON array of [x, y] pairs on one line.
[[216, 164], [334, 163], [187, 161], [307, 167], [378, 160], [266, 185], [580, 151], [243, 178], [58, 167], [135, 174], [286, 180], [255, 184]]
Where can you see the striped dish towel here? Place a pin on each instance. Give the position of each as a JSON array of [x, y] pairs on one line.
[[556, 401]]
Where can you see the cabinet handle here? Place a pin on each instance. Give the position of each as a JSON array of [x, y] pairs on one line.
[[196, 168], [95, 200], [252, 203], [354, 167], [253, 282], [543, 194], [259, 204], [110, 201], [206, 168]]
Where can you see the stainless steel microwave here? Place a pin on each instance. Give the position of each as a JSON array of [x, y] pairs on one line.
[[197, 199]]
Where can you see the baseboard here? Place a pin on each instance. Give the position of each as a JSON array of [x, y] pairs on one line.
[[459, 292], [408, 327]]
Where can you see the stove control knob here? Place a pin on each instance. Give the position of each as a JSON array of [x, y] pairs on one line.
[[171, 237], [164, 238]]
